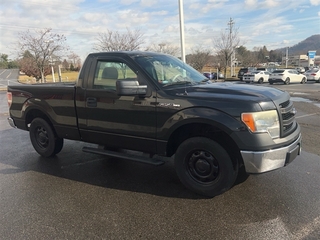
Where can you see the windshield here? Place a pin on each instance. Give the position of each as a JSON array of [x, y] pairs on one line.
[[312, 71], [167, 70], [278, 71]]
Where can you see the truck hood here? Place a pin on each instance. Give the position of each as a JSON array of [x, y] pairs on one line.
[[229, 91], [232, 95]]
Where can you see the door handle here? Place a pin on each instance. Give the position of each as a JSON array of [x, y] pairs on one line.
[[91, 102]]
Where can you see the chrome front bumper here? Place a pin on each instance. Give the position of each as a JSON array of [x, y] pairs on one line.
[[259, 162], [11, 122]]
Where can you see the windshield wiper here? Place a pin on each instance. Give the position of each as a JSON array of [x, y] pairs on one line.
[[178, 83]]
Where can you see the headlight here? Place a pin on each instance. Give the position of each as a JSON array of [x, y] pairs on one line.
[[267, 121]]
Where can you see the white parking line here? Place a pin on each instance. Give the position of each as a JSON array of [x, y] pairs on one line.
[[308, 115], [307, 229], [3, 71]]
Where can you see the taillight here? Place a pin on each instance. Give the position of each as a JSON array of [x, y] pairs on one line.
[[9, 97], [313, 74]]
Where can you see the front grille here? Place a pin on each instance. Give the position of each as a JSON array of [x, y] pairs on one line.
[[288, 122], [284, 104]]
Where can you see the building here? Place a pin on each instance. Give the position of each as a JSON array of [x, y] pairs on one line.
[[301, 61]]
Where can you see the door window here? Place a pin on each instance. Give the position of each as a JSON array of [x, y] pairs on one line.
[[107, 73]]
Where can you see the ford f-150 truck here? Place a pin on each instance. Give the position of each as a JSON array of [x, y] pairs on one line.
[[133, 102]]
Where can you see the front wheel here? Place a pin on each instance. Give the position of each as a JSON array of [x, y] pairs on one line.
[[44, 139], [204, 166], [303, 81], [287, 81]]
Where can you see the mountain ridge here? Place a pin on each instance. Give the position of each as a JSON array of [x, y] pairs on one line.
[[311, 43]]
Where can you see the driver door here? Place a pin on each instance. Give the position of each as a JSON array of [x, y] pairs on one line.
[[113, 120]]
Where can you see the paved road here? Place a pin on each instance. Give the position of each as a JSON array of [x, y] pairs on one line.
[[82, 196], [8, 76]]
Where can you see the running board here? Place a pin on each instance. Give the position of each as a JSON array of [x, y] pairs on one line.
[[127, 156]]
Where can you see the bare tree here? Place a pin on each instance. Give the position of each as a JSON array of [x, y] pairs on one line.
[[42, 45], [28, 66], [225, 45], [199, 58], [75, 59], [116, 41], [163, 47]]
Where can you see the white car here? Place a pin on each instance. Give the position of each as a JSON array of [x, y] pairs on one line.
[[287, 76], [256, 76], [313, 74]]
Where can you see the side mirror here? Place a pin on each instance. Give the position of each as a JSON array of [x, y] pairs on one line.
[[130, 88]]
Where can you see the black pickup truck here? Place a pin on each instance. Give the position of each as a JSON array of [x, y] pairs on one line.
[[151, 103]]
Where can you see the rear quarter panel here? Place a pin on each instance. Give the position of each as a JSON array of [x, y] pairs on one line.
[[55, 101]]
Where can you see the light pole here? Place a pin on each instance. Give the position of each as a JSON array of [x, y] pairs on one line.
[[52, 70], [287, 57], [183, 55], [50, 59]]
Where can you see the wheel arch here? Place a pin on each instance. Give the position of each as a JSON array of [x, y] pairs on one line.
[[32, 109], [37, 113]]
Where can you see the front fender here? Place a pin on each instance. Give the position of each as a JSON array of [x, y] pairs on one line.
[[203, 115]]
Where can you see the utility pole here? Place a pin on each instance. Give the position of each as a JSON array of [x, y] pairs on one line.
[[230, 23]]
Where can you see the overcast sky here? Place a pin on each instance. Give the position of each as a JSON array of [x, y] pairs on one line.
[[273, 23]]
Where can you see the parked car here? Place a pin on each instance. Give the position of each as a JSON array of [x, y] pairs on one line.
[[271, 69], [286, 76], [220, 75], [207, 75], [256, 76], [242, 71], [313, 74], [301, 69], [261, 69], [213, 75]]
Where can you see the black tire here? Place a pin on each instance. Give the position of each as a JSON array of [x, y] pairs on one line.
[[44, 139], [287, 81], [204, 166], [270, 83], [303, 81], [260, 80]]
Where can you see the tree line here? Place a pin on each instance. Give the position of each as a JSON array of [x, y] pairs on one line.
[[5, 62], [41, 50]]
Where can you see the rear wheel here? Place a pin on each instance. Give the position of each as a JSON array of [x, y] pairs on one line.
[[204, 166], [287, 81], [44, 139], [303, 80], [260, 80]]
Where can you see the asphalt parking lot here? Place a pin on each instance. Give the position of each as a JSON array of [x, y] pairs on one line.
[[78, 195]]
